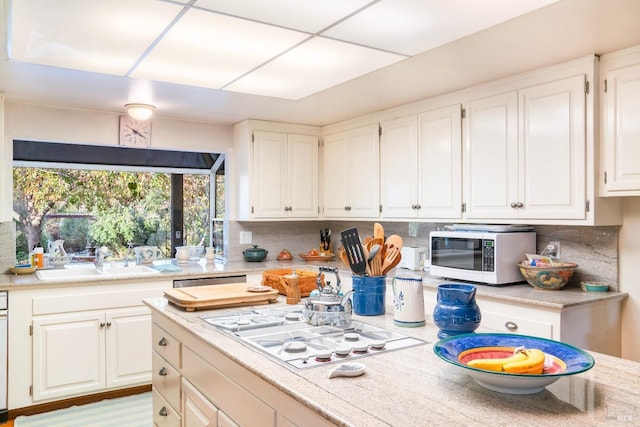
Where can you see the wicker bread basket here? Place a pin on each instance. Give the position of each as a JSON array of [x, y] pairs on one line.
[[279, 279]]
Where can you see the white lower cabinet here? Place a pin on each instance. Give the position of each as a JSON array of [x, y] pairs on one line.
[[167, 380], [197, 411], [86, 352], [593, 326], [216, 391], [73, 341]]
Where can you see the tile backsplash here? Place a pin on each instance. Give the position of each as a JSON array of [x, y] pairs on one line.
[[7, 245], [594, 249]]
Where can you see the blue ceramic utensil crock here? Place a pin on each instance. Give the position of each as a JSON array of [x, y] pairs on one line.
[[456, 311]]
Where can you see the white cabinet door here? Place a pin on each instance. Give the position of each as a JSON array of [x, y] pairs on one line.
[[399, 168], [269, 174], [622, 133], [285, 175], [440, 163], [491, 157], [553, 150], [68, 355], [128, 346], [352, 173], [197, 411], [421, 165], [302, 179]]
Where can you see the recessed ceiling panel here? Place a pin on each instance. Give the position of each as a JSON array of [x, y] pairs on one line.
[[411, 27], [91, 35], [311, 67], [304, 15], [210, 50]]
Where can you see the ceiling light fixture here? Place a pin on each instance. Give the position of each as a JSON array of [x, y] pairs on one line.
[[140, 111]]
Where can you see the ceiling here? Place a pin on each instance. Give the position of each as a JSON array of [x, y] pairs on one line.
[[302, 61]]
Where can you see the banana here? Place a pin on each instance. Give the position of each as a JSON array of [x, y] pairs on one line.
[[532, 364], [497, 364]]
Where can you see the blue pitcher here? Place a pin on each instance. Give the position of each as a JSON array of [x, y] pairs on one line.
[[456, 311]]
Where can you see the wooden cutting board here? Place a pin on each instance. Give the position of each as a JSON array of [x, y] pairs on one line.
[[219, 296]]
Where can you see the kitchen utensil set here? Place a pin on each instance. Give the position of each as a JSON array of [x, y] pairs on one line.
[[372, 257]]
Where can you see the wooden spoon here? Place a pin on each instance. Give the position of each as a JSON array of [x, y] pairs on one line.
[[342, 254], [378, 231], [392, 259], [394, 240]]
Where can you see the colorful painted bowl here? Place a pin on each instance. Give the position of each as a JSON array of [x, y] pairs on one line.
[[568, 360], [549, 278]]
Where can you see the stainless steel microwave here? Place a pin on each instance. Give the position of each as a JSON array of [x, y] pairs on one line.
[[482, 257]]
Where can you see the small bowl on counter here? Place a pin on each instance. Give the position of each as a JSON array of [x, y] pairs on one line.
[[59, 261], [588, 286], [548, 277]]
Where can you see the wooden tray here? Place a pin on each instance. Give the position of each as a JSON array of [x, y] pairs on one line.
[[317, 257], [218, 296]]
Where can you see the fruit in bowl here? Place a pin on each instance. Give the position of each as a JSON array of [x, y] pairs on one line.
[[550, 277]]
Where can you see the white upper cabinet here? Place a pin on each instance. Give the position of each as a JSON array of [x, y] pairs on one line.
[[285, 175], [420, 163], [620, 165], [276, 171], [525, 153], [351, 173], [491, 156]]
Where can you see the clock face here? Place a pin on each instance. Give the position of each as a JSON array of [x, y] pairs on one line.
[[135, 133]]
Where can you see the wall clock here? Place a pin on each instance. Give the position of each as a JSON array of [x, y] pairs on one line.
[[135, 133]]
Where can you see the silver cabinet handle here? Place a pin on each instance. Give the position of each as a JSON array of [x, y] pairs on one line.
[[162, 342], [514, 205], [512, 326], [163, 412], [519, 204], [163, 372], [347, 208]]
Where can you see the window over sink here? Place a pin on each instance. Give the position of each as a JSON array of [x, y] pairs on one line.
[[90, 196]]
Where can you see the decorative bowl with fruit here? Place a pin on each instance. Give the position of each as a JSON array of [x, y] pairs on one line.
[[548, 276], [314, 255]]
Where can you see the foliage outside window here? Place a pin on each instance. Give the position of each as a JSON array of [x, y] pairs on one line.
[[93, 208]]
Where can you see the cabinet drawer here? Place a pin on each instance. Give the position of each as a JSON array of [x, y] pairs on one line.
[[516, 325], [166, 346], [163, 414], [166, 380], [226, 394]]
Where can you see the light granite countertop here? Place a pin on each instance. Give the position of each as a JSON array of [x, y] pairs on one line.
[[519, 293], [413, 387]]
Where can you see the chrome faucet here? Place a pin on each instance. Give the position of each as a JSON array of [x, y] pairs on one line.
[[101, 254]]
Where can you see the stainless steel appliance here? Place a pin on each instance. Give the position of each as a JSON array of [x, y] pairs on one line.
[[282, 334], [206, 281], [4, 308], [480, 255]]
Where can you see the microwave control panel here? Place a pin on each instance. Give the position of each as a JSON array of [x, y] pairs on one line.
[[488, 255]]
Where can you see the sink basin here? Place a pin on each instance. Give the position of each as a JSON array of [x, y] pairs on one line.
[[64, 274], [72, 274], [134, 270]]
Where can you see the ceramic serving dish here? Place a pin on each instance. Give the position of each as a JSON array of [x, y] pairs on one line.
[[548, 277], [23, 269], [594, 286], [568, 360]]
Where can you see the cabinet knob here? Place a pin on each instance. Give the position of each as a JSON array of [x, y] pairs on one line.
[[102, 324], [519, 204], [514, 205], [347, 208], [418, 206], [288, 208], [108, 323], [512, 326], [163, 412], [163, 372], [162, 342]]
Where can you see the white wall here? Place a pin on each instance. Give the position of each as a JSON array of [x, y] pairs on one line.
[[630, 277], [51, 124]]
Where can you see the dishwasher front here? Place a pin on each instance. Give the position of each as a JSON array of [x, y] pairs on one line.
[[206, 281]]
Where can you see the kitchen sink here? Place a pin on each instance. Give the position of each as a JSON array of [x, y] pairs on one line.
[[63, 274], [90, 272], [134, 270]]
